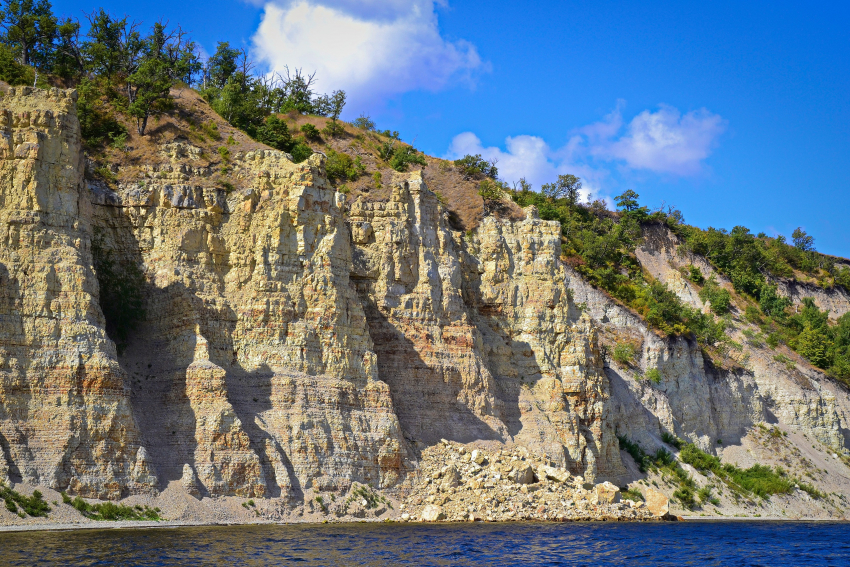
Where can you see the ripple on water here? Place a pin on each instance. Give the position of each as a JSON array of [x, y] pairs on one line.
[[771, 544]]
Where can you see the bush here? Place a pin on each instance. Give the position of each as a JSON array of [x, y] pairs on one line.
[[121, 292], [624, 353], [341, 166], [310, 132], [695, 275], [110, 511], [364, 122], [275, 133], [34, 505], [13, 72], [653, 375], [490, 190], [300, 151], [333, 129], [671, 440], [476, 167], [405, 155], [719, 298]]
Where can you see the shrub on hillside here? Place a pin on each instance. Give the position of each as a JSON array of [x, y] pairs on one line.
[[476, 167], [340, 166]]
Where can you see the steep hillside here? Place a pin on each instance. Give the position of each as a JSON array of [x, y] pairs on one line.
[[190, 319]]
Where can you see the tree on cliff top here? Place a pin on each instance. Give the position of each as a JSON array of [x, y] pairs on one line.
[[168, 57], [30, 28]]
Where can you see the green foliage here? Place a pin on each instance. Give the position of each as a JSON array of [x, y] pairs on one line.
[[274, 133], [566, 187], [310, 132], [394, 135], [705, 496], [405, 155], [224, 153], [34, 505], [601, 247], [341, 166], [761, 480], [476, 167], [30, 28], [624, 353], [802, 241], [695, 275], [490, 190], [13, 72], [632, 494], [333, 129], [811, 490], [653, 375], [168, 57], [300, 151], [671, 440], [719, 298], [98, 123], [364, 122], [110, 511], [376, 179], [121, 292]]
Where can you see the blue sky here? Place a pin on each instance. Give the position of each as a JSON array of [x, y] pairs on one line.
[[734, 112]]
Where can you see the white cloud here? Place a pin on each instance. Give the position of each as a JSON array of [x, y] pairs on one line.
[[528, 157], [662, 142], [373, 49]]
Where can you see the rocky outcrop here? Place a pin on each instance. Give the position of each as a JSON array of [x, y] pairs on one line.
[[295, 345], [65, 415], [477, 337]]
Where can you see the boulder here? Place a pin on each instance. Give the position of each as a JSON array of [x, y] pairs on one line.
[[522, 475], [657, 503], [451, 477], [190, 481], [558, 475], [607, 493], [432, 513], [478, 457]]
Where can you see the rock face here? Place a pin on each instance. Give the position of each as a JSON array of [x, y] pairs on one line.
[[294, 344], [65, 415], [477, 336], [657, 503]]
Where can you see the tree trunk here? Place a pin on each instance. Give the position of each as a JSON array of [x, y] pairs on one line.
[[142, 124]]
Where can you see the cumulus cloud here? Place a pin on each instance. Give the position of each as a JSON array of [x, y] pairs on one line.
[[528, 157], [663, 142], [373, 49]]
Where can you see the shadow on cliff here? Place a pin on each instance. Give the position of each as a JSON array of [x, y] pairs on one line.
[[9, 312], [425, 396], [166, 347]]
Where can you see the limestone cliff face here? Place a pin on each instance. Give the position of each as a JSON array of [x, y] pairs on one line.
[[264, 381], [477, 336], [292, 343], [697, 400], [65, 413]]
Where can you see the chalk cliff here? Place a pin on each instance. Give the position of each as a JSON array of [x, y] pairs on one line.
[[293, 342]]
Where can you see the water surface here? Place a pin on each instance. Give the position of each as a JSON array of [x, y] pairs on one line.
[[771, 544]]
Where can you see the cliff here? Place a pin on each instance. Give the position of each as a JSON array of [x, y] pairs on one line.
[[295, 344]]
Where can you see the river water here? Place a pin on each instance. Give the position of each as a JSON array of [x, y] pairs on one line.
[[771, 544]]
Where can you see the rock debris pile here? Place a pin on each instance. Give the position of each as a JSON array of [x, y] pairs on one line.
[[460, 483]]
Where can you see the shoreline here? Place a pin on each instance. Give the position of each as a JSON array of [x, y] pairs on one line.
[[172, 524]]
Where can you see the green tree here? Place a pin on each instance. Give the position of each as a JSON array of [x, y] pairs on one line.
[[169, 57], [274, 133], [628, 201], [566, 187], [814, 345], [803, 241], [30, 28], [222, 65], [68, 60], [115, 47]]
